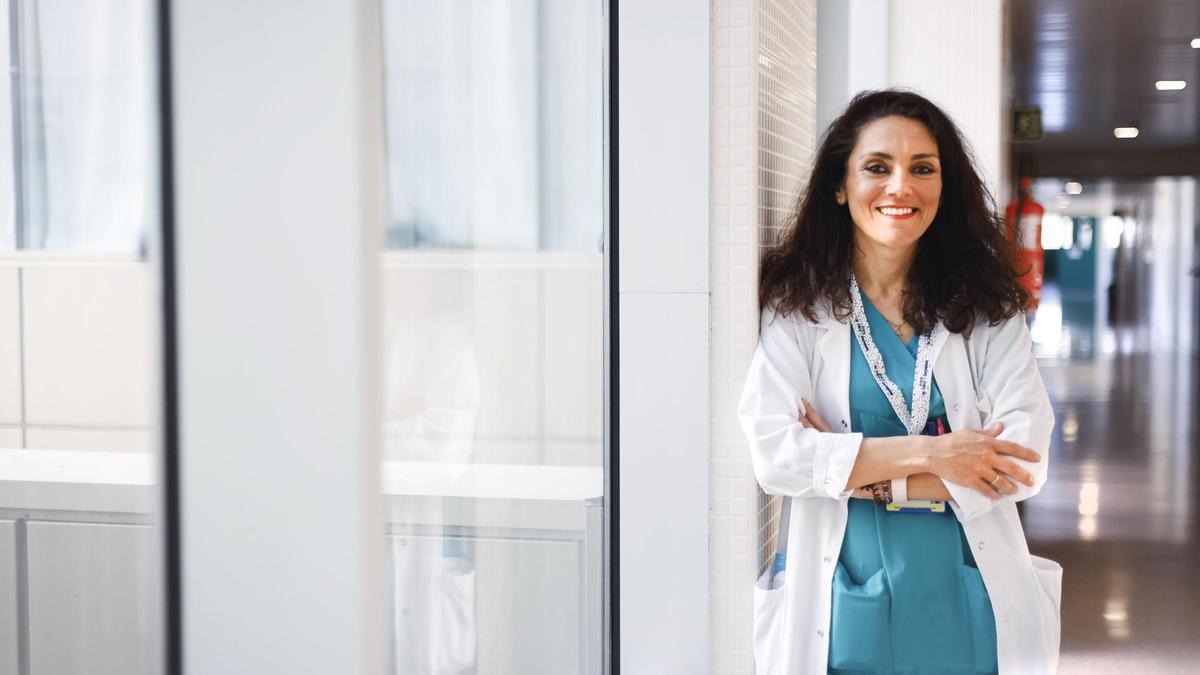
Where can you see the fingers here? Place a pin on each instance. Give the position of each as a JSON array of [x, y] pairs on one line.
[[814, 417], [808, 423], [994, 430], [1003, 484], [985, 488], [1017, 450], [1010, 469]]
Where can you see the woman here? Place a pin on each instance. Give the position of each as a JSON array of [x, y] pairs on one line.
[[892, 306]]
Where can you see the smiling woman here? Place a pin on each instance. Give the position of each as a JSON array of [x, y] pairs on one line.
[[890, 308], [960, 268]]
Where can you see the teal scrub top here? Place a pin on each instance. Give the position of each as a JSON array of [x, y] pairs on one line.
[[908, 598]]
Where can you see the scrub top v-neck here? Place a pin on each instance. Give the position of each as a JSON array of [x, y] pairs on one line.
[[908, 598]]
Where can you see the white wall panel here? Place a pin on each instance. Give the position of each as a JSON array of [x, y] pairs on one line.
[[663, 158], [279, 220], [8, 596], [10, 437], [663, 209], [88, 356], [952, 52], [10, 347], [664, 483], [573, 354], [507, 344], [949, 51], [95, 605], [92, 440]]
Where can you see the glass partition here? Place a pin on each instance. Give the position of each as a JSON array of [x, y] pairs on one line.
[[80, 544], [493, 295]]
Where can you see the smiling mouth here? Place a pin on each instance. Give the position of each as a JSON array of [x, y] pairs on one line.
[[897, 211]]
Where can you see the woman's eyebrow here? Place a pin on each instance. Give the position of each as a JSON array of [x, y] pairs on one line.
[[884, 155]]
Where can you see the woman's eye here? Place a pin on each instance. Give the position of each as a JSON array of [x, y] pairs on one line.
[[876, 168], [924, 170]]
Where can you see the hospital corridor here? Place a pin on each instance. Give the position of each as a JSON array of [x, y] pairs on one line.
[[600, 337]]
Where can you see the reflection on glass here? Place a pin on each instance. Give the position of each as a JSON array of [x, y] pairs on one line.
[[80, 551], [493, 297], [82, 156]]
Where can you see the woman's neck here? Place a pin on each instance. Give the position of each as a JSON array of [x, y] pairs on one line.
[[881, 271]]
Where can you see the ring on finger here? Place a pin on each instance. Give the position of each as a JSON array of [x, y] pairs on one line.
[[994, 480]]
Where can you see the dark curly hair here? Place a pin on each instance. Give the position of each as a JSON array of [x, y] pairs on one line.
[[964, 265]]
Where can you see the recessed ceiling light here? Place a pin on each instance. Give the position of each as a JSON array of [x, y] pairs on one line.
[[1125, 132], [1170, 85], [1073, 188], [1195, 43]]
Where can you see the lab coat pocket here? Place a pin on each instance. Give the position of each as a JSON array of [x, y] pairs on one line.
[[1048, 575], [453, 635], [982, 618], [860, 630], [770, 635]]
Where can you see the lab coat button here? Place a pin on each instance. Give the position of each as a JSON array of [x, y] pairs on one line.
[[820, 633], [843, 423], [1006, 617], [827, 558], [981, 546], [955, 407]]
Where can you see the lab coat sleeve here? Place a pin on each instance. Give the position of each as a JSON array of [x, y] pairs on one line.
[[1011, 392], [789, 459]]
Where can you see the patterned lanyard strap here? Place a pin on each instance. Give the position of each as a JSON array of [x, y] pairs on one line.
[[922, 378]]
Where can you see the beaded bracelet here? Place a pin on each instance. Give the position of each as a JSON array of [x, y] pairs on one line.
[[882, 491]]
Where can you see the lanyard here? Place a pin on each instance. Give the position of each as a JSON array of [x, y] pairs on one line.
[[913, 421]]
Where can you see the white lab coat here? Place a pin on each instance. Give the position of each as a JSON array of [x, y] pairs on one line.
[[798, 359]]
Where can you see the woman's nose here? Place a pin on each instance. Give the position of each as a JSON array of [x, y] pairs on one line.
[[898, 184]]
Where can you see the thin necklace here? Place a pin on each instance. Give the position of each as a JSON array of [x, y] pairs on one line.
[[895, 326], [913, 422]]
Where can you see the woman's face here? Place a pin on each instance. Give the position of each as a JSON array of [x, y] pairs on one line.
[[893, 182]]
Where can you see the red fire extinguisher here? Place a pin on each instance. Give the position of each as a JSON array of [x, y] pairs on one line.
[[1026, 232]]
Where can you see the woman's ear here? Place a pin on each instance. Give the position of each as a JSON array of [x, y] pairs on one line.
[[840, 196]]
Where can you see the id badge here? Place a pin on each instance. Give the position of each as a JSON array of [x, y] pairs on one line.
[[917, 506]]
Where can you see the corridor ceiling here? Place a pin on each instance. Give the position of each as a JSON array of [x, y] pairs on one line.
[[1091, 65]]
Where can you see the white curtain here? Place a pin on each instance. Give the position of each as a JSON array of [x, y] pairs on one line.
[[87, 126]]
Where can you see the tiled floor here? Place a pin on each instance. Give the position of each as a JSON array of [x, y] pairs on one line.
[[1119, 510]]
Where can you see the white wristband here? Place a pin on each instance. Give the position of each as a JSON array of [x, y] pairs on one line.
[[899, 490]]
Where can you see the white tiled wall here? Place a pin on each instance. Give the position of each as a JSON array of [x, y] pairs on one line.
[[763, 134]]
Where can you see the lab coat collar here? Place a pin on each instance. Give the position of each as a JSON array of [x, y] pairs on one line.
[[833, 344]]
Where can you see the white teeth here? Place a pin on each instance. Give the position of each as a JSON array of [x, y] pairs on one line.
[[895, 212]]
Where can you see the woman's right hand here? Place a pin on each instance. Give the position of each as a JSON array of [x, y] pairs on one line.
[[977, 459]]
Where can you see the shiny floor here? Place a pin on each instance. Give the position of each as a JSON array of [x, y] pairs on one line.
[[1119, 510]]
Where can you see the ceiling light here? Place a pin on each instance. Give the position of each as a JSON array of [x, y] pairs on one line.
[[1125, 132], [1195, 43], [1170, 85], [1073, 188]]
